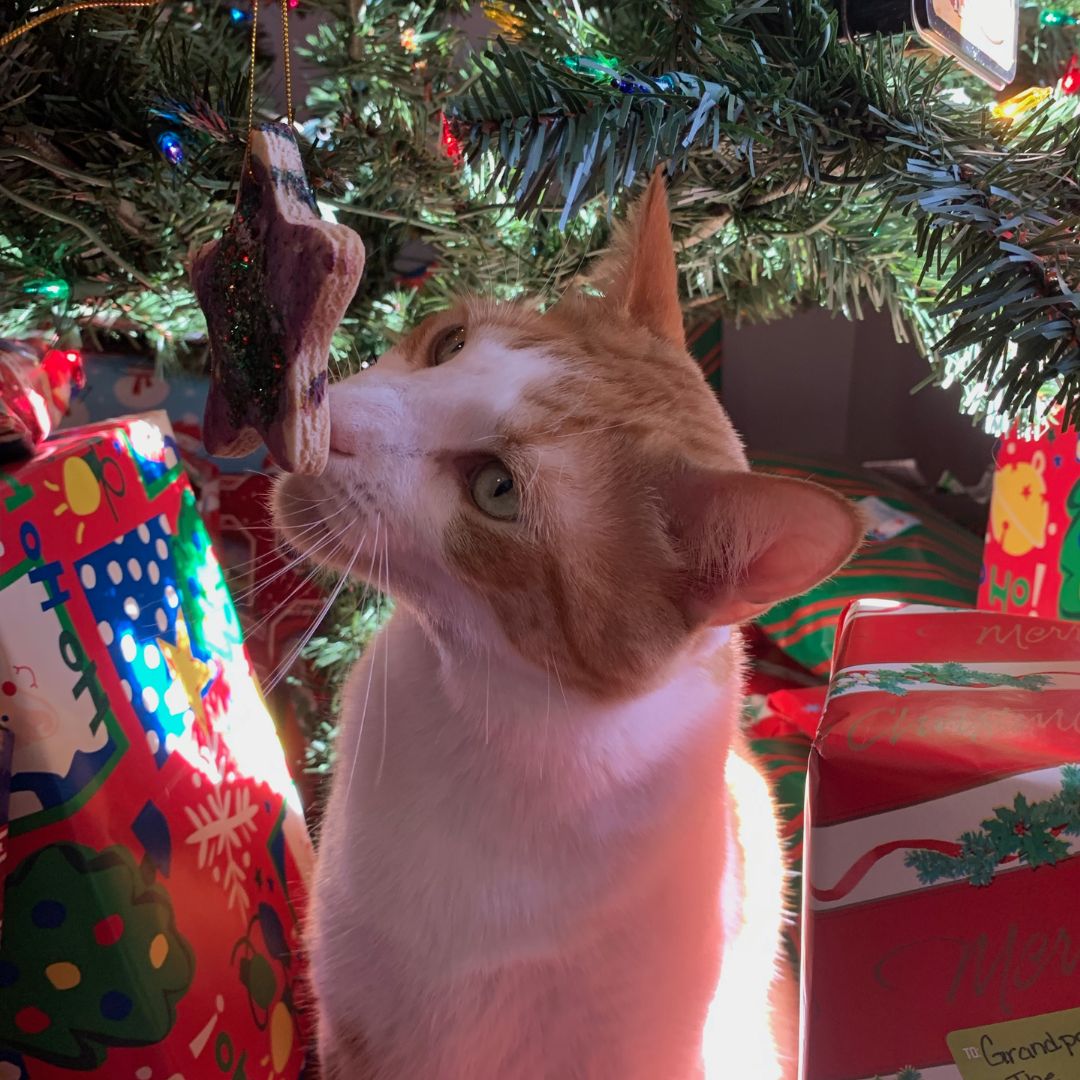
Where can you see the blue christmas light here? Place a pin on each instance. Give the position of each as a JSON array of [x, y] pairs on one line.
[[239, 15], [172, 149]]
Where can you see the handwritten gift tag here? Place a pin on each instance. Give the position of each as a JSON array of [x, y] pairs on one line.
[[1043, 1047]]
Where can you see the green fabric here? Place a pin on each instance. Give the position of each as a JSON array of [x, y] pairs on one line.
[[934, 562]]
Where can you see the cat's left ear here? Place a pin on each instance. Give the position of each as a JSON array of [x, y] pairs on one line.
[[750, 540], [638, 276]]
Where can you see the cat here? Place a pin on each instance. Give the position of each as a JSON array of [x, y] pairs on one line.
[[545, 855]]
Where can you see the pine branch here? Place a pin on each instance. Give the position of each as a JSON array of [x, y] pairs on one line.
[[1026, 832], [761, 105]]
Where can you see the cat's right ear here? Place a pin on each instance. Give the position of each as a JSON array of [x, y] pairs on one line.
[[750, 540]]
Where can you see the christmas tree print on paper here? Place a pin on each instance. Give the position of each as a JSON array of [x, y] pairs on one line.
[[1069, 597], [90, 957], [898, 681], [263, 960], [1024, 832]]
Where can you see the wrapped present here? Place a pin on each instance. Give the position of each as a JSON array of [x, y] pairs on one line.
[[1031, 558], [154, 879], [35, 393], [940, 923]]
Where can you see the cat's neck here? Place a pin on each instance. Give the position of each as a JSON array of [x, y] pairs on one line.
[[530, 719]]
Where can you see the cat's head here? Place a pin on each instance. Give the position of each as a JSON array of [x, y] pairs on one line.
[[563, 485]]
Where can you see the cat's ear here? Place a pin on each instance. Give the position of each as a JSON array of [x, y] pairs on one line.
[[638, 276], [749, 540]]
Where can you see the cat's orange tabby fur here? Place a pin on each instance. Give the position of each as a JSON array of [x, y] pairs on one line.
[[544, 855]]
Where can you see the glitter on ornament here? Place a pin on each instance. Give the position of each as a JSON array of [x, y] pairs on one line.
[[172, 149], [273, 290]]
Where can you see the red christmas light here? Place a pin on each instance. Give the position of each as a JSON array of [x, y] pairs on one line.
[[1070, 81], [450, 143]]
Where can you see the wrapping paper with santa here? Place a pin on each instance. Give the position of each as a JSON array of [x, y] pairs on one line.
[[153, 884], [1031, 557], [941, 923]]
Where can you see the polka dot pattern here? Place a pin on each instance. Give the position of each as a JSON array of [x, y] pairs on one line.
[[88, 576], [109, 930], [63, 975], [116, 575], [48, 914], [31, 1020], [159, 951], [115, 1005]]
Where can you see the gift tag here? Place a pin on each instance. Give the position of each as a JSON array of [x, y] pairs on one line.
[[1043, 1047], [885, 521]]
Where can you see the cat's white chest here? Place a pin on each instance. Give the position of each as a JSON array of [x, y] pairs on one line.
[[470, 923]]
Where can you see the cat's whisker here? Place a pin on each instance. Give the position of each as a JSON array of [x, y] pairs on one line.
[[371, 669], [592, 431], [251, 565], [386, 654], [291, 564], [487, 700], [287, 663], [562, 688], [303, 583]]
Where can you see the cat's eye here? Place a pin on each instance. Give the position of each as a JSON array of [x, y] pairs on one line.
[[447, 344], [493, 490]]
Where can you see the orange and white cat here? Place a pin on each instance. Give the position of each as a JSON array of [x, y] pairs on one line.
[[544, 857]]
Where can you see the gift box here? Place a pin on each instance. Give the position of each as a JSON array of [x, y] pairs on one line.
[[1031, 557], [154, 879], [941, 930]]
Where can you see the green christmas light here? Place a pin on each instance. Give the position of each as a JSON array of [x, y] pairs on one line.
[[1049, 17], [599, 66], [53, 288]]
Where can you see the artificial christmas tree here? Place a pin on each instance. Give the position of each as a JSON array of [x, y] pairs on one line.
[[806, 168]]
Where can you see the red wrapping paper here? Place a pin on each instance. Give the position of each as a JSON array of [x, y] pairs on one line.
[[1031, 557], [154, 878], [942, 868]]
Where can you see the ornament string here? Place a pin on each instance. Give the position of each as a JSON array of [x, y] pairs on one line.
[[287, 56], [68, 9], [93, 5]]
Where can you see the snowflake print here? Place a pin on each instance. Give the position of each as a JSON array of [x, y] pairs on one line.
[[221, 828]]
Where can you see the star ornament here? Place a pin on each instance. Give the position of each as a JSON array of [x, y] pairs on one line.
[[273, 289]]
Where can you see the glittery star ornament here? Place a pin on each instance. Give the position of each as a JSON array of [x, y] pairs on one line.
[[273, 290]]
